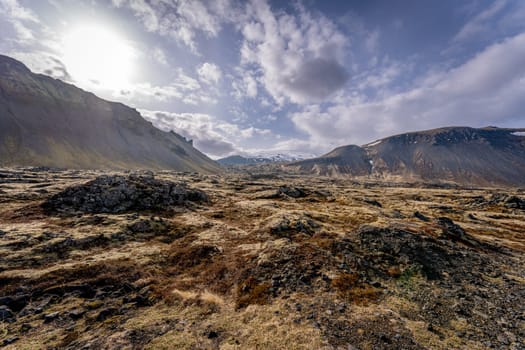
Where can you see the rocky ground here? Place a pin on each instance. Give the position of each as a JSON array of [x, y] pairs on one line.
[[92, 260]]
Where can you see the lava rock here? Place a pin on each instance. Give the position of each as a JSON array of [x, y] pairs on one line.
[[212, 335], [291, 191], [287, 225], [5, 313], [9, 340], [50, 317], [373, 202], [454, 232], [76, 314], [421, 216], [105, 313], [119, 194], [514, 202], [15, 302]]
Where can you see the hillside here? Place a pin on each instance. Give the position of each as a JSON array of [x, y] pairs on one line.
[[480, 156], [46, 122]]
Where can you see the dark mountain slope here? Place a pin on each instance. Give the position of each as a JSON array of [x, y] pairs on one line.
[[350, 159], [484, 156], [46, 122]]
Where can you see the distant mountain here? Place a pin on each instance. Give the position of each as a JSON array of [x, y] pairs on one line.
[[483, 156], [351, 160], [46, 122], [259, 159]]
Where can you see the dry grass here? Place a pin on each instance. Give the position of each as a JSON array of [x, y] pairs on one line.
[[251, 291], [351, 289], [204, 296], [203, 277]]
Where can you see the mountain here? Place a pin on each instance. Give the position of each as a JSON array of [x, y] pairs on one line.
[[239, 160], [480, 156], [351, 160], [259, 159], [46, 122]]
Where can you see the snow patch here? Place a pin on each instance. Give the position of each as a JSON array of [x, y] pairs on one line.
[[519, 133], [282, 157], [374, 143]]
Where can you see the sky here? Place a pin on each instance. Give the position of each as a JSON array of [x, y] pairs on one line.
[[294, 77]]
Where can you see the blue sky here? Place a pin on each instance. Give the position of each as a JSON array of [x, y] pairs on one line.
[[301, 77]]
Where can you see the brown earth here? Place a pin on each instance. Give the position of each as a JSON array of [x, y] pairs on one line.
[[91, 260]]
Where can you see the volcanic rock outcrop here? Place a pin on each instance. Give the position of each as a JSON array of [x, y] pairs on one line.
[[119, 194]]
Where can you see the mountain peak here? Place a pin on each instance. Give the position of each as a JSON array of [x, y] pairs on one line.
[[8, 64], [465, 155], [46, 122]]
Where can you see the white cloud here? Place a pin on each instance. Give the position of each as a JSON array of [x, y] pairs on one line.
[[143, 10], [253, 31], [300, 147], [477, 25], [209, 73], [20, 18], [244, 85], [160, 56], [24, 34], [207, 134], [44, 63], [211, 135], [296, 58], [14, 10], [180, 19], [182, 88], [486, 90], [380, 76]]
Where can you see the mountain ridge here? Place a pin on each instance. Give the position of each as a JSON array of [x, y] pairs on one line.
[[464, 155], [238, 160], [47, 122]]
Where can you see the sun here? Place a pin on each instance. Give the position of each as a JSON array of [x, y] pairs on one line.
[[97, 55]]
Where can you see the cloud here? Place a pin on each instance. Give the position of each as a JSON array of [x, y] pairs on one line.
[[15, 11], [209, 73], [142, 10], [244, 85], [20, 18], [380, 76], [182, 88], [57, 69], [180, 19], [293, 146], [316, 79], [207, 134], [478, 24], [43, 62], [488, 89], [295, 57], [210, 135], [160, 56]]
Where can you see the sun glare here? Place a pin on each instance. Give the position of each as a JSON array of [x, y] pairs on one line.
[[97, 55]]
